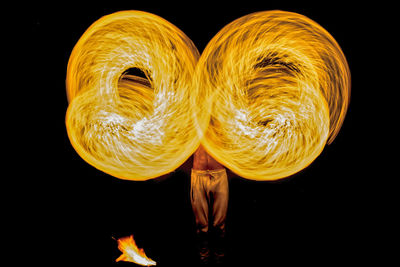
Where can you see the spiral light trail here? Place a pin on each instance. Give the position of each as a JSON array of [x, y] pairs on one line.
[[268, 92], [277, 88], [129, 126]]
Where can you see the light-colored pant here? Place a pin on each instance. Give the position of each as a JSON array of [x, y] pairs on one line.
[[209, 194]]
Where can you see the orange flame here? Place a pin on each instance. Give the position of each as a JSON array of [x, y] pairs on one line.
[[131, 253]]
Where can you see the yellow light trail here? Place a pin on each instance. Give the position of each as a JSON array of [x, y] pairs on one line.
[[269, 91], [277, 87], [128, 126]]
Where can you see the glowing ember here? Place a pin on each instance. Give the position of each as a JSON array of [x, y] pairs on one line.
[[131, 253]]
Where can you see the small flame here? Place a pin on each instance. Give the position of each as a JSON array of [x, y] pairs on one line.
[[131, 253]]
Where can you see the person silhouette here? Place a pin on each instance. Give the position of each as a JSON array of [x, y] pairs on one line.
[[209, 194]]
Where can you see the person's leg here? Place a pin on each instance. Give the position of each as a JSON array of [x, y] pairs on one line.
[[220, 192], [199, 197]]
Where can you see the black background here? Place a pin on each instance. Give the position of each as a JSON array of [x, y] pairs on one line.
[[315, 216]]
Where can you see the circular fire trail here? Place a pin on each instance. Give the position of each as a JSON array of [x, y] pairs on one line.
[[129, 126], [268, 92], [277, 88]]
